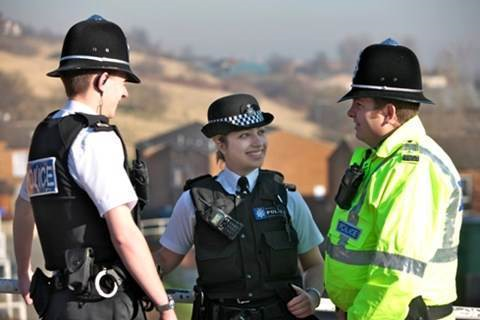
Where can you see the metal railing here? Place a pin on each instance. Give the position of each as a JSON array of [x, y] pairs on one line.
[[9, 286]]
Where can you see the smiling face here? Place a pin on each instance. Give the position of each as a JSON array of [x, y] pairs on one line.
[[371, 124], [243, 151]]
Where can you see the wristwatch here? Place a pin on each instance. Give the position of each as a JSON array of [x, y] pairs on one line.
[[315, 292], [168, 306]]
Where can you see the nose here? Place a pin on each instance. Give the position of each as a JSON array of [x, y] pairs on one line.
[[125, 93], [258, 139], [351, 111]]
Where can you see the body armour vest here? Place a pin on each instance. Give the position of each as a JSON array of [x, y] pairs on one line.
[[64, 214], [262, 259]]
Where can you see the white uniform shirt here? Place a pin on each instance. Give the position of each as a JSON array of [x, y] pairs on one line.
[[178, 236], [95, 161]]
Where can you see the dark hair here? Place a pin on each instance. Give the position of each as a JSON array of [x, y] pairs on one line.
[[76, 83], [220, 156], [405, 110]]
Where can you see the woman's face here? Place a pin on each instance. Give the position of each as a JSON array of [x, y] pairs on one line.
[[244, 151]]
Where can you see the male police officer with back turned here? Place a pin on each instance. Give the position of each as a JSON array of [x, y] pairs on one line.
[[392, 243], [79, 189]]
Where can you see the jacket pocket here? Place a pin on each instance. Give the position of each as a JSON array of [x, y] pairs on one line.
[[280, 254], [218, 264]]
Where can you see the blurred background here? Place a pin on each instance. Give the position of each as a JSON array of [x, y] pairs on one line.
[[296, 57]]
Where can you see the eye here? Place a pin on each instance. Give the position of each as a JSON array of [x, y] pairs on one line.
[[261, 132], [358, 105]]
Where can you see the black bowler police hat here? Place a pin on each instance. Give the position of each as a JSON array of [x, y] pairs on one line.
[[233, 113], [95, 44], [387, 70]]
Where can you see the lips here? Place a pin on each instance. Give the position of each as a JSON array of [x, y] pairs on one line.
[[256, 153]]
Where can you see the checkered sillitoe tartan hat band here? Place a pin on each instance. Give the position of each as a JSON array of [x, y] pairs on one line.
[[242, 120]]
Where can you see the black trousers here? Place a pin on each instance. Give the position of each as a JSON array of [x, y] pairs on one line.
[[264, 311], [66, 306]]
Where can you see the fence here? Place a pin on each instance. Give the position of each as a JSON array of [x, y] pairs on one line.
[[186, 296]]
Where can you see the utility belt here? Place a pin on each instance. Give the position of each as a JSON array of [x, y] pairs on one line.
[[261, 309], [87, 280], [104, 283], [418, 310], [272, 307]]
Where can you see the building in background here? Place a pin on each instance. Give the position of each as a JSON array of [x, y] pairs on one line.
[[14, 144]]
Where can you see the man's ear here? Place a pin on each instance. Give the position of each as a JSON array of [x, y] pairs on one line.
[[100, 80], [390, 113]]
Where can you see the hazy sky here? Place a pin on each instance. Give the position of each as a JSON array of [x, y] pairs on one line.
[[255, 29]]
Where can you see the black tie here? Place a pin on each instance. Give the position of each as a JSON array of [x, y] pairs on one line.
[[243, 186]]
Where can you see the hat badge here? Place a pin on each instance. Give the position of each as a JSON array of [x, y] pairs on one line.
[[248, 109]]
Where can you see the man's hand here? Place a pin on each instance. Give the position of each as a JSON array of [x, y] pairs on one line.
[[24, 287], [303, 305]]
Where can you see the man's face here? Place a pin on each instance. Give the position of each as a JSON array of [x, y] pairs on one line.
[[114, 89], [244, 150], [370, 123]]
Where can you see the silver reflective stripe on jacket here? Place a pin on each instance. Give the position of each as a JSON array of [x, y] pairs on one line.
[[377, 258]]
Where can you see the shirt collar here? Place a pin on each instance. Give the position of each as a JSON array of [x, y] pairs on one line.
[[228, 179], [73, 106], [411, 130]]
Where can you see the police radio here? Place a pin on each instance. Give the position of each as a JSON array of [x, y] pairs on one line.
[[222, 222], [349, 185]]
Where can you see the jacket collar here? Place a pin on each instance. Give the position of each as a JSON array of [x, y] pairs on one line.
[[411, 130]]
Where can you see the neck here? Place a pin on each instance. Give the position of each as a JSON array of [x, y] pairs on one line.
[[90, 100], [240, 172]]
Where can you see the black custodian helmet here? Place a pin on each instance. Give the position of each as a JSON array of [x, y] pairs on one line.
[[234, 113], [95, 44], [387, 70]]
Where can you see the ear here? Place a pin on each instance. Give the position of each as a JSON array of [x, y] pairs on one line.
[[390, 113], [219, 142], [100, 81]]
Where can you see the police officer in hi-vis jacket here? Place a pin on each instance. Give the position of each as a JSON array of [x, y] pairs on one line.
[[392, 244]]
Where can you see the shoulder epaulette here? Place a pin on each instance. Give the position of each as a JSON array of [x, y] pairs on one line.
[[277, 176], [100, 126], [290, 187], [410, 152], [94, 121], [189, 183]]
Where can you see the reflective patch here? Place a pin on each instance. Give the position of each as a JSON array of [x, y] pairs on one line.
[[41, 177], [269, 212], [348, 230]]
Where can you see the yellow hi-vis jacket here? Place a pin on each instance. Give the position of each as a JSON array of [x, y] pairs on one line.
[[399, 238]]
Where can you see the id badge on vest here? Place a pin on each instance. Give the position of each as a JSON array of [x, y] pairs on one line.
[[263, 213], [348, 230]]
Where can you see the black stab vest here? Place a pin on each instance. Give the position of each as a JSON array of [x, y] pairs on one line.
[[67, 218], [263, 257]]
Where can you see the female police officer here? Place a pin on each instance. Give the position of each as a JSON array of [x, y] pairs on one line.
[[79, 189], [247, 228]]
